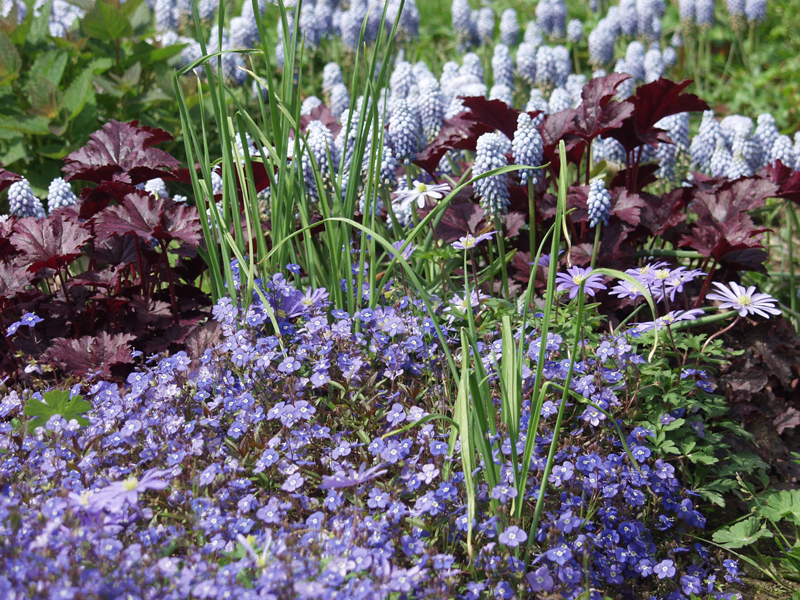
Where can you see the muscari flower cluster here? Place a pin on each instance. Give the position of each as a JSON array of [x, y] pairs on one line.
[[263, 469]]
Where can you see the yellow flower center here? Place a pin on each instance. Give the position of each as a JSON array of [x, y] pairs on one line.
[[662, 274], [744, 300], [421, 187], [130, 484], [578, 279]]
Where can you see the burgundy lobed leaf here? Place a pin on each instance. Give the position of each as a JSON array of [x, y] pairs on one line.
[[122, 152], [49, 243], [626, 206], [458, 220], [90, 354], [599, 112], [148, 217], [495, 114], [457, 133], [7, 178], [651, 103], [13, 280], [787, 180], [513, 222]]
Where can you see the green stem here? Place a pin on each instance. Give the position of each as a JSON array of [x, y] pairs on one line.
[[596, 245], [502, 249], [531, 219]]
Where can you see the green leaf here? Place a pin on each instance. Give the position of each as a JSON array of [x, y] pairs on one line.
[[10, 61], [57, 402], [78, 93], [40, 27], [28, 124], [49, 65], [741, 534], [782, 504], [106, 23]]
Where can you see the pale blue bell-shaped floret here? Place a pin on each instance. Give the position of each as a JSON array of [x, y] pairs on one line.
[[502, 66], [404, 130], [59, 194], [533, 34], [22, 201], [560, 99], [331, 76], [402, 79], [575, 31], [687, 12], [755, 10], [526, 62], [628, 18], [598, 203], [492, 191], [471, 65], [463, 27], [601, 44], [509, 27], [720, 160], [503, 93], [704, 13], [653, 65], [340, 101], [527, 148], [670, 56], [704, 143], [574, 86], [782, 150], [485, 24], [766, 133], [309, 104], [431, 108], [634, 59]]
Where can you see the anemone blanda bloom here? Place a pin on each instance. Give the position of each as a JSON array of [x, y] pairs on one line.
[[421, 193], [469, 241], [571, 281], [671, 317], [746, 301]]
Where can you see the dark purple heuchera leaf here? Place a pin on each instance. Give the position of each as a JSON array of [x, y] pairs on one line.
[[148, 217], [7, 178], [49, 243], [495, 114], [724, 226], [513, 222], [660, 214], [97, 198], [13, 280], [459, 220], [626, 206], [599, 112], [457, 133], [90, 354], [718, 239], [787, 180], [651, 103], [556, 127], [122, 152]]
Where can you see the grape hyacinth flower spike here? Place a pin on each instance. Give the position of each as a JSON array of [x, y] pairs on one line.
[[599, 203], [22, 201], [492, 190], [527, 148]]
